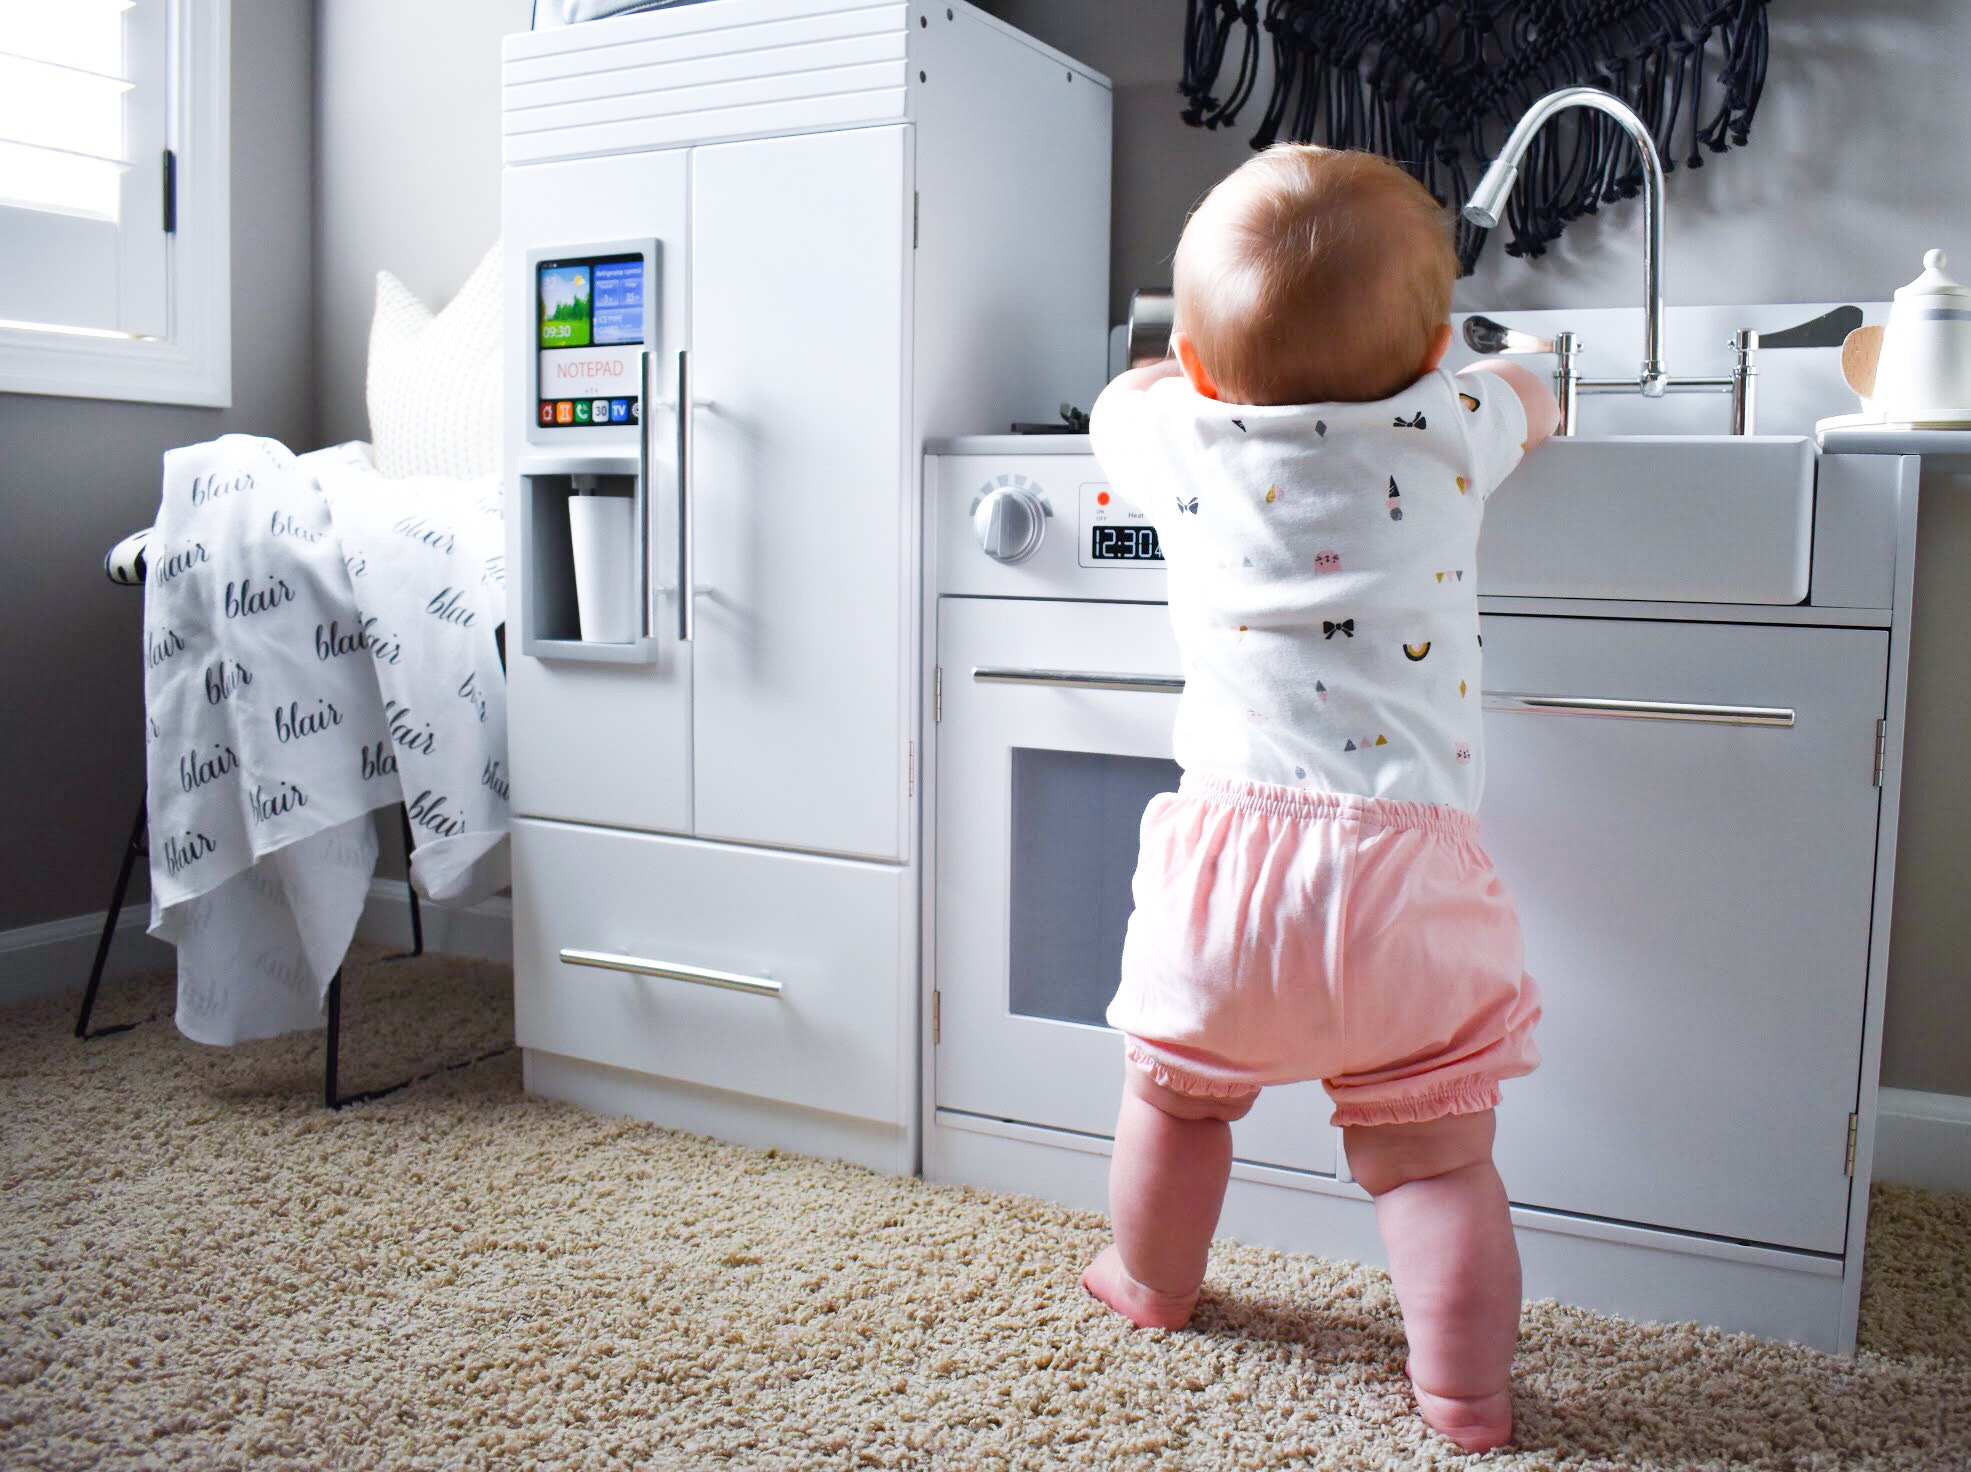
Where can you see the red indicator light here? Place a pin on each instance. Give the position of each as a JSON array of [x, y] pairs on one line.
[[1101, 498]]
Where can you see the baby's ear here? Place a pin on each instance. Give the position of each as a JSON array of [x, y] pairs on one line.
[[1193, 365], [1440, 344]]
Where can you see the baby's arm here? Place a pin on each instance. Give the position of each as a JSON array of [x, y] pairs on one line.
[[1542, 412], [1138, 379]]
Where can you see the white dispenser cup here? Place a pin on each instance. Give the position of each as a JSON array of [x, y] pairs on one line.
[[605, 579]]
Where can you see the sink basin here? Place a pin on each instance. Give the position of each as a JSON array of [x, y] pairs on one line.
[[1676, 518]]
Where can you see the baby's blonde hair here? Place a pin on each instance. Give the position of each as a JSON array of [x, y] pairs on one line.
[[1314, 275]]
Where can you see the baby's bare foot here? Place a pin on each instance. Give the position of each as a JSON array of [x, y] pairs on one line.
[[1477, 1423], [1144, 1307]]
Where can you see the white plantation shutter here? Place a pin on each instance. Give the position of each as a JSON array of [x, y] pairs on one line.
[[84, 108]]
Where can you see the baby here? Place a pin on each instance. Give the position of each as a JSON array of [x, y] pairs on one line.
[[1313, 902]]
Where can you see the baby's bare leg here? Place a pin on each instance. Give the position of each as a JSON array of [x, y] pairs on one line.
[[1445, 1224], [1173, 1154]]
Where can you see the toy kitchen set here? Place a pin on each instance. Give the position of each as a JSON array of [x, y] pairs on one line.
[[832, 719]]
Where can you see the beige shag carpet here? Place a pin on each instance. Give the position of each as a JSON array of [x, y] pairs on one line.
[[200, 1267]]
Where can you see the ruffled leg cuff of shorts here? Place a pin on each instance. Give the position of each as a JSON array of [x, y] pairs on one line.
[[1466, 1096], [1183, 1081]]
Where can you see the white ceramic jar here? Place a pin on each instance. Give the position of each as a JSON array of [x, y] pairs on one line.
[[1924, 373]]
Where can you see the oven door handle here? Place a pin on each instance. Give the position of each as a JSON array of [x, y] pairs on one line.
[[1499, 700], [1080, 680]]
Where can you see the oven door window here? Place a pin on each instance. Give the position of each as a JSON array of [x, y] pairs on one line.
[[1076, 817]]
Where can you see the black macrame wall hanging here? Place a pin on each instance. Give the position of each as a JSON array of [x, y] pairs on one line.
[[1437, 84]]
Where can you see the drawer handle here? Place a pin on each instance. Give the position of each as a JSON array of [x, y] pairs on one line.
[[602, 960], [1081, 680], [1638, 710]]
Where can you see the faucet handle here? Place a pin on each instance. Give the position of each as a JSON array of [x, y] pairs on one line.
[[1829, 330], [1483, 335]]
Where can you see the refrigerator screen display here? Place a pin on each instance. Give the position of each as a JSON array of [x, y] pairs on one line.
[[590, 339]]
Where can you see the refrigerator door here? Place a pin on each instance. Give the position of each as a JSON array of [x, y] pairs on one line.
[[801, 484], [595, 741]]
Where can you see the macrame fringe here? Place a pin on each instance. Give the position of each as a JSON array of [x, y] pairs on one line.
[[1437, 84]]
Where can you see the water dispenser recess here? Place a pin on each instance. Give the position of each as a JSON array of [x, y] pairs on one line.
[[584, 560]]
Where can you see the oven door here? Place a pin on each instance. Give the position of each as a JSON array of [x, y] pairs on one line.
[[1055, 732]]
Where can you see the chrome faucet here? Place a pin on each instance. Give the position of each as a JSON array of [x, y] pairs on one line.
[[1488, 202]]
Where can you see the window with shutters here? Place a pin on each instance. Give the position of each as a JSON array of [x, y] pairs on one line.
[[114, 223]]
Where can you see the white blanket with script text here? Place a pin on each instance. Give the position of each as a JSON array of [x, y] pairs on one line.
[[318, 643]]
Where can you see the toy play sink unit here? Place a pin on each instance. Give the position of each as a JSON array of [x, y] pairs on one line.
[[1680, 518]]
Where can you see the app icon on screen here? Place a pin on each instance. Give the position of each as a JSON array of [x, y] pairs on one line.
[[619, 411], [599, 411], [581, 411], [565, 306], [547, 411], [564, 412]]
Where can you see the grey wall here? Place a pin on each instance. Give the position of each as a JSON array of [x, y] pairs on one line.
[[408, 142], [76, 474]]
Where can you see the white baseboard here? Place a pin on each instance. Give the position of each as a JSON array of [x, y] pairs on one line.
[[483, 931], [1924, 1140], [54, 959]]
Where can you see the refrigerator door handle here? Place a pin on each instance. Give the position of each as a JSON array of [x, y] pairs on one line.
[[686, 592], [643, 486]]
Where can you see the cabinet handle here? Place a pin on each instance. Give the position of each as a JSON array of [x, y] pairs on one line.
[[1081, 680], [687, 595], [1638, 710], [730, 981]]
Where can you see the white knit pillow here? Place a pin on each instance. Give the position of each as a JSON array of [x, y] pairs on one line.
[[434, 384]]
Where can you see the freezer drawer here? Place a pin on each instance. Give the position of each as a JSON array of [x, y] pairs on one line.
[[776, 975]]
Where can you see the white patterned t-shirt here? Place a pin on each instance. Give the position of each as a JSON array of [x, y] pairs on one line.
[[1323, 577]]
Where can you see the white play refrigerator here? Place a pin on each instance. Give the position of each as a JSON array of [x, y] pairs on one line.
[[757, 251]]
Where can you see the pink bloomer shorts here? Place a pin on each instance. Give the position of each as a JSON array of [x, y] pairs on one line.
[[1282, 935]]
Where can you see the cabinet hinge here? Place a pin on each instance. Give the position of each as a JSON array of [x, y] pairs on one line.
[[913, 219], [1854, 1122], [913, 769], [937, 1018], [170, 192], [1881, 747], [937, 695]]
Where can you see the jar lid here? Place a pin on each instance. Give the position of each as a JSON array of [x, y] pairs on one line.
[[1934, 281]]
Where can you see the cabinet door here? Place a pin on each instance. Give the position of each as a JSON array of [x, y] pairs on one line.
[[1041, 790], [1696, 900], [592, 742], [800, 486]]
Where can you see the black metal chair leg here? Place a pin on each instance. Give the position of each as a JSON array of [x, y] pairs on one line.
[[130, 852], [329, 1099], [417, 915]]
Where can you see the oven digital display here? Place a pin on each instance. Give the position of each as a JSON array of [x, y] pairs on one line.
[[1120, 543], [590, 341]]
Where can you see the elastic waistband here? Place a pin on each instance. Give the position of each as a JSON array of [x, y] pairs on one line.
[[1295, 802]]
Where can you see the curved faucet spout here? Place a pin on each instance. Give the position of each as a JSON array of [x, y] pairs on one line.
[[1488, 202]]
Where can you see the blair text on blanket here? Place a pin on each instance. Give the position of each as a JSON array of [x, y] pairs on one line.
[[160, 647], [378, 761], [164, 569], [221, 681], [285, 801], [181, 853], [212, 487], [424, 533], [242, 599], [404, 733], [294, 723], [284, 525], [194, 771], [449, 604], [469, 692], [427, 811]]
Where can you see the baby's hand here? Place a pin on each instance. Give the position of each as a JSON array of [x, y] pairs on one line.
[[1542, 411], [1145, 375]]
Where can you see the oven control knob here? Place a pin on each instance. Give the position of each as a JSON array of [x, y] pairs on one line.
[[1009, 523]]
